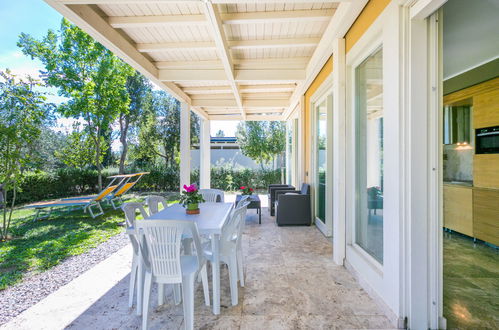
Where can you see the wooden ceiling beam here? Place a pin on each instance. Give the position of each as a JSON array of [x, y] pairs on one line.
[[253, 117], [240, 44], [231, 103], [264, 88], [213, 16], [274, 43], [156, 2], [261, 63], [262, 17], [251, 76], [124, 22], [167, 46]]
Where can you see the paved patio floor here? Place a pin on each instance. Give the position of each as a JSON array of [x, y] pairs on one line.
[[291, 283]]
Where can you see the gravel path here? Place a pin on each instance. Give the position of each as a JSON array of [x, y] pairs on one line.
[[35, 287]]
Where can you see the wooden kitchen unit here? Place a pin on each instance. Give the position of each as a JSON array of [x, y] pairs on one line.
[[473, 209], [486, 215], [486, 171], [458, 208]]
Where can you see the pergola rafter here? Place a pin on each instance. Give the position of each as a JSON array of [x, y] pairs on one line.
[[219, 56], [215, 20]]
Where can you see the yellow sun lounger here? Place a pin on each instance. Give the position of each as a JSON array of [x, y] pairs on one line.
[[123, 181], [86, 203], [131, 180]]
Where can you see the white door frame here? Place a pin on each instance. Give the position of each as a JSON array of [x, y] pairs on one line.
[[339, 152], [324, 92], [295, 145], [423, 240]]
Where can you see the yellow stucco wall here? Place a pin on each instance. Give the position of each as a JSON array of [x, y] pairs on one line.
[[323, 74], [368, 15]]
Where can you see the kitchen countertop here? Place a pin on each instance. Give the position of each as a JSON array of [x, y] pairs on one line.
[[459, 183]]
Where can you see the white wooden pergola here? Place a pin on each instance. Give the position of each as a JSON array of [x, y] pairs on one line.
[[223, 59]]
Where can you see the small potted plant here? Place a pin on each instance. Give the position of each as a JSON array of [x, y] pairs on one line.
[[246, 190], [191, 198]]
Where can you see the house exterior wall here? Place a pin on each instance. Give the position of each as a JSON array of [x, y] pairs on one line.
[[307, 115], [382, 281]]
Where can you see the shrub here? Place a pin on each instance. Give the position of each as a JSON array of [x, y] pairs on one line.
[[37, 186]]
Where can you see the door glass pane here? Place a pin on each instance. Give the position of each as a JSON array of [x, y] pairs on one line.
[[320, 193], [289, 152], [369, 155]]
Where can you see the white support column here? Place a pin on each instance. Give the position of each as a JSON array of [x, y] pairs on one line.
[[185, 144], [339, 155], [205, 155]]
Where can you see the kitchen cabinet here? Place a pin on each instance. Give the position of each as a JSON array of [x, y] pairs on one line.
[[486, 215], [458, 208], [486, 171], [486, 109]]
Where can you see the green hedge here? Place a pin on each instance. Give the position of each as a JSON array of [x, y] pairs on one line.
[[73, 182]]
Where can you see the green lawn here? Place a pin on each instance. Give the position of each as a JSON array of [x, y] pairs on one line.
[[40, 245]]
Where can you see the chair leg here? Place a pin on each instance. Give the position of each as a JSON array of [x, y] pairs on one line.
[[188, 298], [233, 279], [240, 266], [177, 295], [187, 245], [147, 293], [206, 288], [133, 280], [140, 286], [161, 294]]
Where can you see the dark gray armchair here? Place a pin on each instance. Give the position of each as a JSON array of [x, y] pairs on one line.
[[293, 207], [273, 188]]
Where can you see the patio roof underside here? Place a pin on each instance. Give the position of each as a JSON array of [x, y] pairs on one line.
[[230, 60]]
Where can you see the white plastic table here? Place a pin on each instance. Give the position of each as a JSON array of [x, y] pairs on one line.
[[210, 222]]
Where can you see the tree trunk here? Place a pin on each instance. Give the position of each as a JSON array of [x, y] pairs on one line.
[[97, 161], [124, 121]]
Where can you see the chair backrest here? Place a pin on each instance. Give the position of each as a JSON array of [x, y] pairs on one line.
[[153, 202], [243, 201], [233, 228], [305, 189], [130, 210], [212, 195], [103, 194], [160, 242]]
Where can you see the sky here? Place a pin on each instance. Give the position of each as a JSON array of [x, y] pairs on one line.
[[35, 17]]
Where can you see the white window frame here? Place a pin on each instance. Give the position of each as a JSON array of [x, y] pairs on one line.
[[382, 281], [321, 94]]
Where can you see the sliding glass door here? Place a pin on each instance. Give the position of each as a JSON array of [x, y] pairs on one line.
[[369, 155], [322, 110], [320, 164]]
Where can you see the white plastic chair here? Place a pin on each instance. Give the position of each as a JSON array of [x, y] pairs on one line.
[[228, 248], [243, 203], [160, 248], [212, 195], [153, 202], [130, 210]]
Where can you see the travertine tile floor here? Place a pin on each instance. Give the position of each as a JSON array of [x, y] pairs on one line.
[[291, 283]]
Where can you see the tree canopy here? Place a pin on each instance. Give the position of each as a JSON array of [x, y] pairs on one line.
[[90, 76], [262, 141], [23, 111]]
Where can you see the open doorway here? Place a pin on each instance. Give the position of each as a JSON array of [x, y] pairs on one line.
[[470, 157]]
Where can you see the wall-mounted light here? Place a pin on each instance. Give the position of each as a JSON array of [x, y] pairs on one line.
[[463, 146]]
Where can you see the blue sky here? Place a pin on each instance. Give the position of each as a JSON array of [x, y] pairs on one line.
[[35, 17]]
